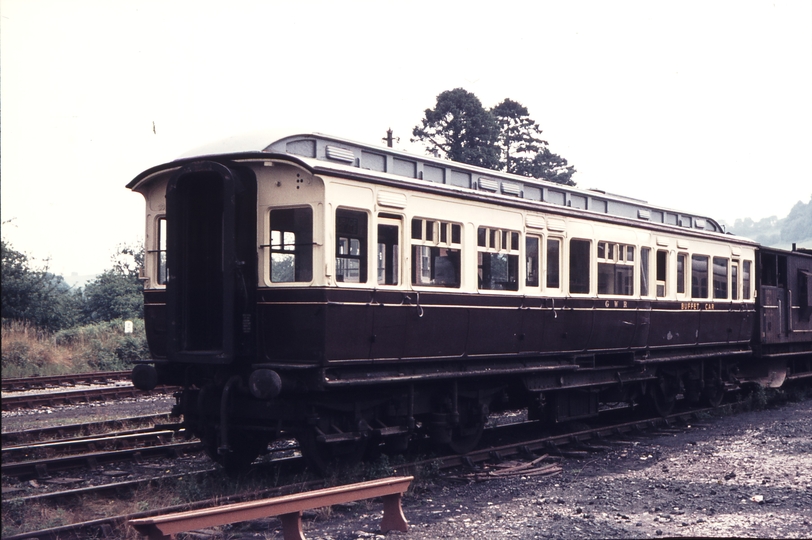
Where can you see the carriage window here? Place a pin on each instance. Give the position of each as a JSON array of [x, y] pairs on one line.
[[291, 245], [553, 263], [662, 272], [734, 280], [782, 271], [720, 277], [498, 260], [768, 273], [579, 266], [745, 280], [615, 269], [531, 255], [351, 246], [436, 261], [644, 275], [161, 251], [388, 254], [681, 260], [699, 276]]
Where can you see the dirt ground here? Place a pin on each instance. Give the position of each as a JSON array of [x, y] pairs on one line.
[[746, 475], [40, 417]]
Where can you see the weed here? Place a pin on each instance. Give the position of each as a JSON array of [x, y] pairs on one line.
[[30, 351]]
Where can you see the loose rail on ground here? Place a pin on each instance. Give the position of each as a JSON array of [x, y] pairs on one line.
[[289, 509]]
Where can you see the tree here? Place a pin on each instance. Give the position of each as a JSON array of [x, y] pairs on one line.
[[459, 128], [112, 295], [519, 135], [548, 166], [502, 138], [797, 226], [34, 294], [117, 293], [523, 150]]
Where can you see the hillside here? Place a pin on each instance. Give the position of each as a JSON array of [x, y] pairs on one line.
[[796, 228]]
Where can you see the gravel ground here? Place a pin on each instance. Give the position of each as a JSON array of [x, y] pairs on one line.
[[41, 417], [747, 475]]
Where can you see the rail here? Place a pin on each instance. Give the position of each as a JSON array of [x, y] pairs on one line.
[[289, 508], [53, 399], [44, 381]]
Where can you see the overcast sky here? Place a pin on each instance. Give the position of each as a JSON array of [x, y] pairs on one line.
[[703, 106]]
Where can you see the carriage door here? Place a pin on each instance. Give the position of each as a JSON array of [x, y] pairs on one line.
[[211, 260], [773, 297]]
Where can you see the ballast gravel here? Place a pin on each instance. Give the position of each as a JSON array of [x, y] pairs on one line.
[[735, 476], [739, 476]]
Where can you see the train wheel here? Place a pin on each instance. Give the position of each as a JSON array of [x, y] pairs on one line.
[[714, 391], [466, 434], [243, 452], [326, 458], [662, 394]]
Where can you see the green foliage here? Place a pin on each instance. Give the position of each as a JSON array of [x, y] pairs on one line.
[[100, 346], [104, 346], [113, 295], [35, 294], [502, 138], [117, 293], [459, 128], [781, 233], [523, 150], [797, 226]]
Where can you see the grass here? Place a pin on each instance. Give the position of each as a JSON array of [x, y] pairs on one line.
[[19, 517], [29, 351]]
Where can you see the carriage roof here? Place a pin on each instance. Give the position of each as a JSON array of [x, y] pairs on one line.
[[344, 153]]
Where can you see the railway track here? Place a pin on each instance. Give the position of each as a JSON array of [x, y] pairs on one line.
[[48, 381], [53, 399], [42, 468], [565, 445], [131, 439], [573, 444], [69, 431]]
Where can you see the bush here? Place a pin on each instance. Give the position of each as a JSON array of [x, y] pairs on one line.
[[28, 351]]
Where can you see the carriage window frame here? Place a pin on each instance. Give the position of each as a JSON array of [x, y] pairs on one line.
[[498, 259], [161, 269], [682, 265], [580, 265], [700, 278], [721, 279], [734, 280], [532, 257], [645, 276], [661, 273], [746, 277], [388, 252], [292, 242], [615, 268], [552, 263], [436, 249], [351, 246]]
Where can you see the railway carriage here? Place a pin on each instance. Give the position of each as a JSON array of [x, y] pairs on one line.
[[356, 297]]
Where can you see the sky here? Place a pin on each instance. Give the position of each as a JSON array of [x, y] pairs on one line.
[[702, 106]]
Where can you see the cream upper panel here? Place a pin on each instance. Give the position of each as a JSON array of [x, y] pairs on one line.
[[280, 184]]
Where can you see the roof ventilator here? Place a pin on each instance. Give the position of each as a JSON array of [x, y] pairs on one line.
[[509, 188], [340, 154], [488, 184]]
